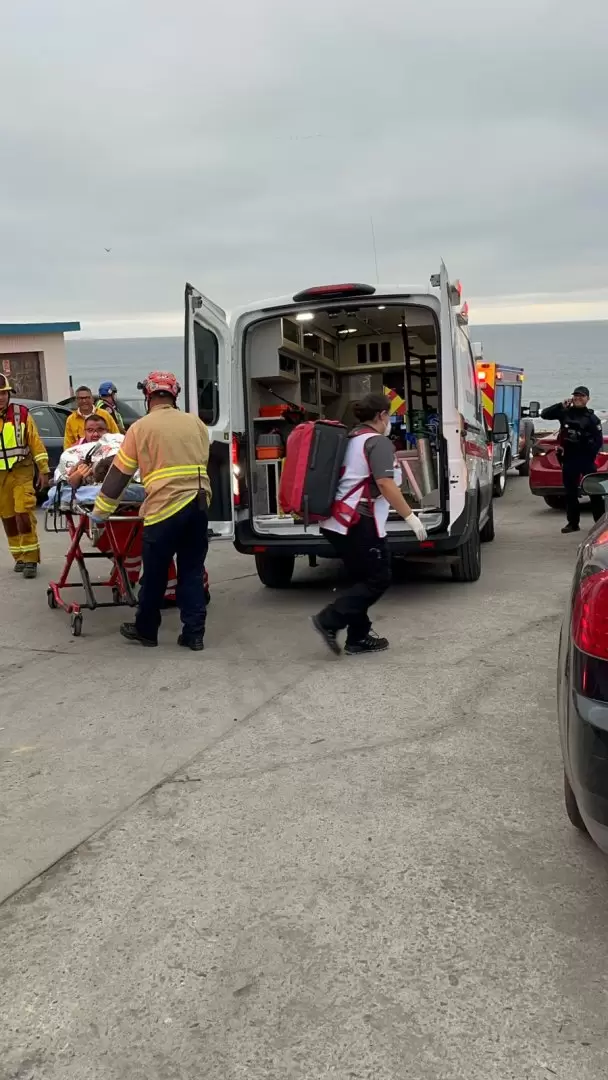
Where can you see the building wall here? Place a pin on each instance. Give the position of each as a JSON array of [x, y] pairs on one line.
[[53, 366]]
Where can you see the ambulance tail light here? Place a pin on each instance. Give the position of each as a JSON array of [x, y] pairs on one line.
[[236, 472]]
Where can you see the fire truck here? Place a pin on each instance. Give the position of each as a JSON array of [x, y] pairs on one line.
[[501, 389]]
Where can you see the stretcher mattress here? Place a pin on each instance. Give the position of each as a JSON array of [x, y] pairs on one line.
[[133, 495]]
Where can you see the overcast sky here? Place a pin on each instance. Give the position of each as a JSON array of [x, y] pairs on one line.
[[245, 144]]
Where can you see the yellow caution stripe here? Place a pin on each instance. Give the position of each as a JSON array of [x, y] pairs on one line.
[[130, 464], [104, 506], [171, 472], [169, 511]]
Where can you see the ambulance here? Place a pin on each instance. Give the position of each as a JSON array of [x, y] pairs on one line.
[[501, 389], [310, 355]]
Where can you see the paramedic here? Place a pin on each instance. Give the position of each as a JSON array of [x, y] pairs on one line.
[[107, 401], [580, 440], [21, 453], [171, 450], [367, 489], [74, 428]]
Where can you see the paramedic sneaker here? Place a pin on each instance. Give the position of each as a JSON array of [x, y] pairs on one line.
[[191, 641], [571, 528], [371, 643], [329, 636], [19, 567], [30, 570], [131, 633]]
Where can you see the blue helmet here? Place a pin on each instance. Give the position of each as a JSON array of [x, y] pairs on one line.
[[107, 388]]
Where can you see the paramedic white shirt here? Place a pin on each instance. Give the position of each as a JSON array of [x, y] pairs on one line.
[[367, 455]]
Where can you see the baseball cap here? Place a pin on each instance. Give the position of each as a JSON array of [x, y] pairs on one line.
[[581, 390]]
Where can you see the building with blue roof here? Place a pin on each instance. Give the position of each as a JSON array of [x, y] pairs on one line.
[[33, 356]]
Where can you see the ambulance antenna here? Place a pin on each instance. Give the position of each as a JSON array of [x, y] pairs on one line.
[[371, 221]]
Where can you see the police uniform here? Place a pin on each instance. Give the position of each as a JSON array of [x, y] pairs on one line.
[[580, 440]]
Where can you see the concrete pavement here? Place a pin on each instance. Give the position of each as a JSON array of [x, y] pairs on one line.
[[260, 862]]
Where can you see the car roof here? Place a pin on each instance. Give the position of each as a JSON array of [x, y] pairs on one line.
[[32, 403]]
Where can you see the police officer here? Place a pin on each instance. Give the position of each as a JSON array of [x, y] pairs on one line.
[[580, 439]]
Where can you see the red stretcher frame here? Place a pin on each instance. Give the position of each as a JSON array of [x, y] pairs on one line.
[[120, 541]]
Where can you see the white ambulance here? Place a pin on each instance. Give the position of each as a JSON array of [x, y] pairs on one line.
[[252, 376]]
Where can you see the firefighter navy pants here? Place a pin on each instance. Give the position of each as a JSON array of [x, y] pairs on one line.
[[184, 535], [365, 556], [573, 469]]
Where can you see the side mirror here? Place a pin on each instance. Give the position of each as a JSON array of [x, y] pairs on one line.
[[595, 484], [500, 427], [534, 410]]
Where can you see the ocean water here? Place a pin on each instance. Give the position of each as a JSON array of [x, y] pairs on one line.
[[555, 357]]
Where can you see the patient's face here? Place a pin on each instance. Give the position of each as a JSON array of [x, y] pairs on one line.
[[94, 429]]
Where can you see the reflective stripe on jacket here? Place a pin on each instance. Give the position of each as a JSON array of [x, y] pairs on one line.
[[171, 450]]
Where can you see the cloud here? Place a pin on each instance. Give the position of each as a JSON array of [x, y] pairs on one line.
[[246, 146]]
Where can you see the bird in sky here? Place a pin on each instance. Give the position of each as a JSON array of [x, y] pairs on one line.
[[107, 250]]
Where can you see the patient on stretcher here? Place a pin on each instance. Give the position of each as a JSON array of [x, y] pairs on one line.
[[83, 467]]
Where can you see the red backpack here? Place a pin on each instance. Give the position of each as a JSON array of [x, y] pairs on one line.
[[314, 460]]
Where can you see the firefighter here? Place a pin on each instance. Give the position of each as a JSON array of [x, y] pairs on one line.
[[74, 428], [170, 449], [580, 440], [107, 401], [22, 452]]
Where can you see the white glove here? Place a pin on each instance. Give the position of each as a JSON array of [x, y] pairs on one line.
[[416, 526]]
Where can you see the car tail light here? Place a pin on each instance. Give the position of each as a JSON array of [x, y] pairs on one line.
[[590, 616], [236, 472]]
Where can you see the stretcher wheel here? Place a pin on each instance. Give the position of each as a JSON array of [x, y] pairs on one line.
[[76, 624], [50, 599]]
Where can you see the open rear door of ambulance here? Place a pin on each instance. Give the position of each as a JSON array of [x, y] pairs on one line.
[[207, 386]]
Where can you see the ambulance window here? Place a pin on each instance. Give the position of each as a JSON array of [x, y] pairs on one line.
[[206, 349]]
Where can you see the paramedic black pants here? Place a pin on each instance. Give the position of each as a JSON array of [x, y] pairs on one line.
[[184, 535], [365, 556], [573, 469]]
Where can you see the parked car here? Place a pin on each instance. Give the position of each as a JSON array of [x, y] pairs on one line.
[[546, 471], [50, 421], [126, 409], [582, 682]]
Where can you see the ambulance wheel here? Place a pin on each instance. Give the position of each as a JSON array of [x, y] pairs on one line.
[[275, 571], [500, 481], [572, 809], [468, 567], [487, 533], [524, 468], [76, 624], [50, 599]]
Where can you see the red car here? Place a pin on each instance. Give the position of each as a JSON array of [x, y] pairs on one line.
[[546, 471]]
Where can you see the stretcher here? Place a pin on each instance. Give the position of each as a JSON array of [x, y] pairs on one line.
[[119, 542]]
